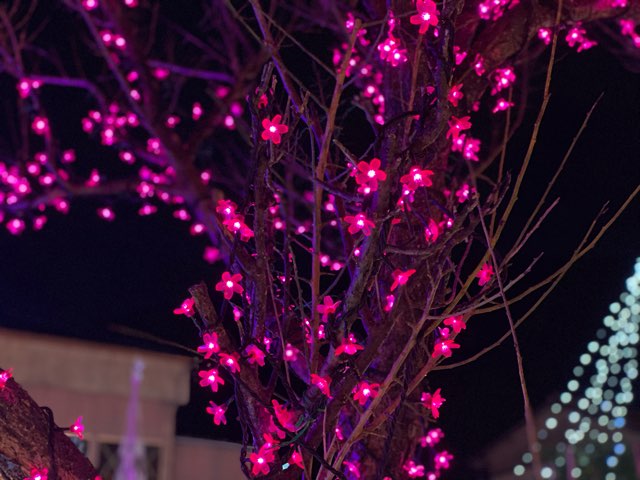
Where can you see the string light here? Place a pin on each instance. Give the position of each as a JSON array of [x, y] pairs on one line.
[[593, 407]]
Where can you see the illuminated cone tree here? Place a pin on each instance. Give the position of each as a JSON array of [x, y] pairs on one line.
[[582, 436], [344, 160]]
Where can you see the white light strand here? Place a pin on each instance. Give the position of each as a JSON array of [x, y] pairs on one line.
[[594, 404]]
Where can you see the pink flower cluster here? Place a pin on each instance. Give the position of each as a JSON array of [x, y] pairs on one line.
[[5, 375], [389, 49], [628, 29], [426, 17], [577, 37], [494, 9], [232, 220]]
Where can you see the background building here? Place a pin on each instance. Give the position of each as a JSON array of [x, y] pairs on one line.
[[78, 378]]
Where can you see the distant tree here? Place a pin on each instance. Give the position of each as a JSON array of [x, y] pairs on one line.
[[347, 161]]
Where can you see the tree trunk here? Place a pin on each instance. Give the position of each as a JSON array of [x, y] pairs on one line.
[[30, 439]]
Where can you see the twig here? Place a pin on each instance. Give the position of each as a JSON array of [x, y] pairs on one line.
[[323, 156]]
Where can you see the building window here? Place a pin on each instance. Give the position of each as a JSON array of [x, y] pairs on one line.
[[82, 445], [147, 463]]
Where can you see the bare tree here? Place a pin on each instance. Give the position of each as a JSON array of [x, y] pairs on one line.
[[326, 150]]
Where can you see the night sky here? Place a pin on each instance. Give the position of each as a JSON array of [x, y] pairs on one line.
[[82, 276]]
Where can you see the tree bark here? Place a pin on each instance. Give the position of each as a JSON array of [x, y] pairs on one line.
[[30, 439]]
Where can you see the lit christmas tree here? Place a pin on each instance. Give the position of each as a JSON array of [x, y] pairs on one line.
[[582, 437]]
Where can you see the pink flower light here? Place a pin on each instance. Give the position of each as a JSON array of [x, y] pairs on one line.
[[172, 121], [545, 35], [46, 180], [186, 308], [368, 174], [401, 277], [502, 105], [413, 470], [494, 9], [222, 91], [471, 149], [77, 428], [209, 345], [327, 307], [444, 347], [359, 222], [38, 474], [230, 361], [229, 284], [389, 49], [363, 391], [502, 78], [226, 208], [218, 412], [352, 468], [61, 205], [261, 459], [230, 122], [455, 94], [416, 178], [263, 101], [397, 57], [348, 346], [107, 214], [427, 15], [39, 222], [120, 42], [433, 402], [146, 210], [237, 225], [255, 355], [5, 375], [291, 353], [287, 417], [628, 28], [464, 192], [94, 178], [457, 126], [40, 125], [478, 65], [575, 35], [459, 55], [154, 146], [485, 274], [90, 4], [578, 36], [273, 129], [25, 86], [442, 459], [197, 229], [388, 305], [16, 226], [296, 459], [210, 378], [432, 231], [196, 111], [33, 168], [323, 384], [456, 323], [432, 437]]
